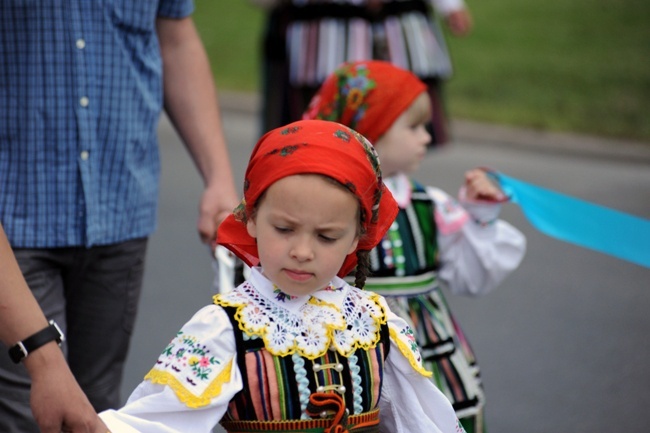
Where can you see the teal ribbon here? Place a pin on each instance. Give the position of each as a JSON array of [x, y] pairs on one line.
[[580, 222]]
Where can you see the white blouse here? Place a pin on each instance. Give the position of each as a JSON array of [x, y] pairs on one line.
[[196, 376]]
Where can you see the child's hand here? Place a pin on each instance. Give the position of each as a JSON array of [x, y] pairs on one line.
[[478, 186], [460, 22]]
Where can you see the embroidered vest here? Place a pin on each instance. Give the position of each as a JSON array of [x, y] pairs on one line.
[[406, 260], [278, 387]]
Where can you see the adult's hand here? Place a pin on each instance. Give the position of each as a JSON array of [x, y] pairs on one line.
[[216, 204], [57, 401]]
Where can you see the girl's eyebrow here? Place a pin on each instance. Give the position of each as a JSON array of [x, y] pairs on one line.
[[334, 228], [285, 218]]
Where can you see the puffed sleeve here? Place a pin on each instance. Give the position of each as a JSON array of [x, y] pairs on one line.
[[191, 384], [410, 403], [477, 249]]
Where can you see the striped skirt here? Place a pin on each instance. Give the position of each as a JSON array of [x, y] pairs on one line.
[[445, 352]]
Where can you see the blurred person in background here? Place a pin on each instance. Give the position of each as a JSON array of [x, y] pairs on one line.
[[305, 41]]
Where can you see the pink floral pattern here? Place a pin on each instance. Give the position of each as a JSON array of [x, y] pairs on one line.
[[185, 354]]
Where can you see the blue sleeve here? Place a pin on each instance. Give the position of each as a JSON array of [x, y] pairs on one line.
[[175, 8]]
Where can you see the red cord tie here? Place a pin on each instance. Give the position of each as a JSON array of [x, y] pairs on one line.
[[324, 403]]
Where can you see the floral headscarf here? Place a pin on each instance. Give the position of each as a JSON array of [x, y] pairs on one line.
[[368, 96], [313, 147]]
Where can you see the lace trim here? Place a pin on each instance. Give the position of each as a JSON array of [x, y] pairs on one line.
[[185, 395], [409, 351], [314, 328]]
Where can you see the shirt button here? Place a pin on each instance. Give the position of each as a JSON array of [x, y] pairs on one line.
[[84, 101], [81, 44], [84, 155]]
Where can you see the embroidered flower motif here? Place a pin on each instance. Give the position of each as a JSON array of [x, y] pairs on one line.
[[255, 317], [362, 326], [410, 336], [354, 99], [280, 295], [184, 351], [365, 327], [290, 130], [285, 150], [331, 288], [240, 210], [279, 337], [342, 135], [311, 330], [405, 341], [314, 338], [348, 100]]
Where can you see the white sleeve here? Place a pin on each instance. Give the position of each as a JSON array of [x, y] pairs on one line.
[[445, 7], [410, 402], [191, 384], [477, 250]]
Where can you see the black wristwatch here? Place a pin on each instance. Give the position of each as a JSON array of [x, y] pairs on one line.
[[20, 350]]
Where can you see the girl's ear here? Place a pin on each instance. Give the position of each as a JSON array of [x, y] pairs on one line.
[[251, 227]]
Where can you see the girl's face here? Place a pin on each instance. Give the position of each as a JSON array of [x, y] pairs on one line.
[[404, 145], [305, 226]]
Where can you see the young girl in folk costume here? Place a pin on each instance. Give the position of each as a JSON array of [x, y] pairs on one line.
[[295, 348], [434, 238]]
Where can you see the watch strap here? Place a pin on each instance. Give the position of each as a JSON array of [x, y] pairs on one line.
[[20, 350]]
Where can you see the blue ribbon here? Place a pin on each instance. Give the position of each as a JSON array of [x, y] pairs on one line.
[[580, 222]]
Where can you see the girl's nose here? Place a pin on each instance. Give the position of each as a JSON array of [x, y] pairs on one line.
[[426, 137], [302, 250]]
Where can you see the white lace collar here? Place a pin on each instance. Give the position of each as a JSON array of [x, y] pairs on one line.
[[341, 317], [334, 293]]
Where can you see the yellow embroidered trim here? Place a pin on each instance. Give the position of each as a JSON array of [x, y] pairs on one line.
[[186, 396], [408, 353], [262, 332], [320, 302]]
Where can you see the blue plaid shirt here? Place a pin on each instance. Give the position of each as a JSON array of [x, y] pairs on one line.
[[80, 100]]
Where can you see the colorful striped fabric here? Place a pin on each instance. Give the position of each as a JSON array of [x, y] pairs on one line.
[[278, 388], [323, 35]]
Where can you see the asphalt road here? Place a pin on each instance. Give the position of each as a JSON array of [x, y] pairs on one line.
[[563, 343]]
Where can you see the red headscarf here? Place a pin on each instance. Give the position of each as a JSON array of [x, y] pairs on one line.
[[313, 147], [368, 96]]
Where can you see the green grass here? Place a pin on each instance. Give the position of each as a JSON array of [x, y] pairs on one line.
[[561, 65], [231, 31]]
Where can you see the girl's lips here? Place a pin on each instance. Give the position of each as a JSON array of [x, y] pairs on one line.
[[298, 275]]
